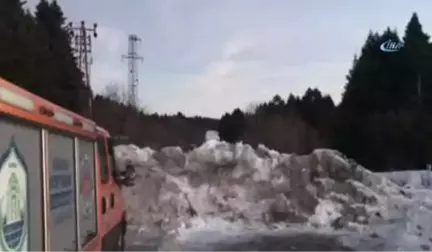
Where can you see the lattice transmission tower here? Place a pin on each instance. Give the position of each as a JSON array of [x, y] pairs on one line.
[[133, 57]]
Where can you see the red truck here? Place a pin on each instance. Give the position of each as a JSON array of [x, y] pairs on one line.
[[59, 186]]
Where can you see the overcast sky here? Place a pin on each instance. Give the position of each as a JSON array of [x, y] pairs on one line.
[[207, 57]]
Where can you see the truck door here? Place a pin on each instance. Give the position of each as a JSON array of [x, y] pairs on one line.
[[21, 190], [112, 204]]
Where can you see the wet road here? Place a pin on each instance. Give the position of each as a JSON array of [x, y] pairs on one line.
[[294, 242]]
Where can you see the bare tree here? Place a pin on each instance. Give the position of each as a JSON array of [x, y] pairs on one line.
[[251, 108], [116, 92]]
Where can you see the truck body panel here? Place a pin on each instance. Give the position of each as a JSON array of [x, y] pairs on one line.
[[57, 185]]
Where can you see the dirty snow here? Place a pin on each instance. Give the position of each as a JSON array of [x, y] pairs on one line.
[[222, 190]]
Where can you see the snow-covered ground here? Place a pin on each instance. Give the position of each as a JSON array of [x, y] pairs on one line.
[[421, 179], [231, 197]]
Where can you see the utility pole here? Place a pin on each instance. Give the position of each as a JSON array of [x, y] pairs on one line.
[[419, 89], [81, 43], [132, 58]]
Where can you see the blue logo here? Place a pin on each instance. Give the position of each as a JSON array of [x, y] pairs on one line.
[[391, 46]]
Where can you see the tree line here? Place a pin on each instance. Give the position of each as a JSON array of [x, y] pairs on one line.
[[35, 53], [383, 120]]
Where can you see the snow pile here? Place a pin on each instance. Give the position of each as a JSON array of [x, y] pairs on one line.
[[408, 216], [265, 189], [417, 179], [132, 153], [405, 228]]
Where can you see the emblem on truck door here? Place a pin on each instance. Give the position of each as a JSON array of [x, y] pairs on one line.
[[13, 201]]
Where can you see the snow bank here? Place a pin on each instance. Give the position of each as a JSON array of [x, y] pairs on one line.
[[416, 179], [407, 226], [263, 189]]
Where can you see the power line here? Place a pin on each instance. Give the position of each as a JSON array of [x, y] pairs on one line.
[[81, 43], [132, 58], [81, 39]]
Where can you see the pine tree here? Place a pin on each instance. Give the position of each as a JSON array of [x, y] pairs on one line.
[[68, 89], [356, 95], [232, 126], [374, 87], [16, 48], [418, 55], [374, 79]]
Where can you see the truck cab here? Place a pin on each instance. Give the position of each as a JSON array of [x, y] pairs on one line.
[[59, 186]]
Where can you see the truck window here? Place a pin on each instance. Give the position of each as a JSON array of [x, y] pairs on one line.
[[87, 193], [112, 158], [62, 192], [104, 170]]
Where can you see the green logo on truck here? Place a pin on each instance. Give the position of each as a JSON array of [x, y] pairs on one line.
[[13, 201]]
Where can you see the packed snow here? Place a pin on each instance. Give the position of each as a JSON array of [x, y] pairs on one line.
[[421, 179], [221, 191]]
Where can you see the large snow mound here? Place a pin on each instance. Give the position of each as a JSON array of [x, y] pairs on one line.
[[263, 188]]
